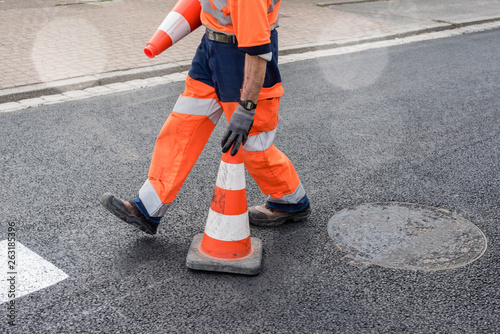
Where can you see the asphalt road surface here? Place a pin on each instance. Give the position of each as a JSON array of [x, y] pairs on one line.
[[417, 123]]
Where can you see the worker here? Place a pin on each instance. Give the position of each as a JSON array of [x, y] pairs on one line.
[[235, 72]]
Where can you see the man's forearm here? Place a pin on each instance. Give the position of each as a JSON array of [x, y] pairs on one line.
[[255, 72]]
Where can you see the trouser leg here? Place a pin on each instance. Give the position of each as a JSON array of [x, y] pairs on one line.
[[180, 142], [269, 167], [275, 175]]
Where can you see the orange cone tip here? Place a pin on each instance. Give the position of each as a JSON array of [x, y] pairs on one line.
[[181, 21]]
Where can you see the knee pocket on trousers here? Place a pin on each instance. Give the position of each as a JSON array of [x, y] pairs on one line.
[[266, 115]]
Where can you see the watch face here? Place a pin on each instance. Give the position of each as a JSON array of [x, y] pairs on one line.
[[248, 105]]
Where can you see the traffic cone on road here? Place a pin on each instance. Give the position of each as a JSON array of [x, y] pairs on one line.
[[183, 19], [226, 244]]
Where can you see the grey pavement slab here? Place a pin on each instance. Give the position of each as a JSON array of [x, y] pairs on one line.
[[414, 123]]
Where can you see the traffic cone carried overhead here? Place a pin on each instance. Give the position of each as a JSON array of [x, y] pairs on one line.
[[183, 19], [226, 244]]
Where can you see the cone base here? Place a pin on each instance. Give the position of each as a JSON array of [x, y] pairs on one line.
[[248, 265]]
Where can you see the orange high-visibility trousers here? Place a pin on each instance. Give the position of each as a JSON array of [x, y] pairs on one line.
[[187, 130]]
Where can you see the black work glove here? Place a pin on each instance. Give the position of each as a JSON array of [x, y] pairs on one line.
[[237, 131]]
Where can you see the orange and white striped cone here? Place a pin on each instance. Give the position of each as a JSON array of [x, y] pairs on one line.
[[183, 19], [226, 244]]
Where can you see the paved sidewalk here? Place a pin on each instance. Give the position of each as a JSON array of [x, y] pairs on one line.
[[51, 46]]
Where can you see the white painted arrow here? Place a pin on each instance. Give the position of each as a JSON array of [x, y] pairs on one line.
[[31, 272]]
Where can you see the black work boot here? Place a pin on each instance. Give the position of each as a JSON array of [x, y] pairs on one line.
[[128, 212], [264, 215]]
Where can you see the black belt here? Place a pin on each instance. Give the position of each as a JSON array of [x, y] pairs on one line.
[[220, 37]]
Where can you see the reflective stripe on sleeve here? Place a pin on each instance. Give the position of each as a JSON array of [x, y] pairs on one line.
[[267, 56]]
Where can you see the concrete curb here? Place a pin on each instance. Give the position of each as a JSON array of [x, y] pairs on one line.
[[79, 83]]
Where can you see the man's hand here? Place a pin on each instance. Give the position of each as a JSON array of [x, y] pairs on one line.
[[237, 131], [242, 119]]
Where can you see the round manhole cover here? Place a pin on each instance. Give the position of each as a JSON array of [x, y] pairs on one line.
[[406, 236]]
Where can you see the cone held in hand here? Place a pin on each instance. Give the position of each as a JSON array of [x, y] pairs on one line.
[[183, 19]]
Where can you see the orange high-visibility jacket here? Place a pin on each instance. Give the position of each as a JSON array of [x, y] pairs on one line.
[[250, 20]]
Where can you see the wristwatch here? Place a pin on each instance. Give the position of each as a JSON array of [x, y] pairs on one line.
[[248, 105]]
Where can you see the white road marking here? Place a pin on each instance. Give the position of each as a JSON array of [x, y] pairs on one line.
[[176, 77], [31, 272], [386, 43]]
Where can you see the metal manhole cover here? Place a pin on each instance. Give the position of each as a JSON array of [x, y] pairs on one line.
[[406, 236]]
